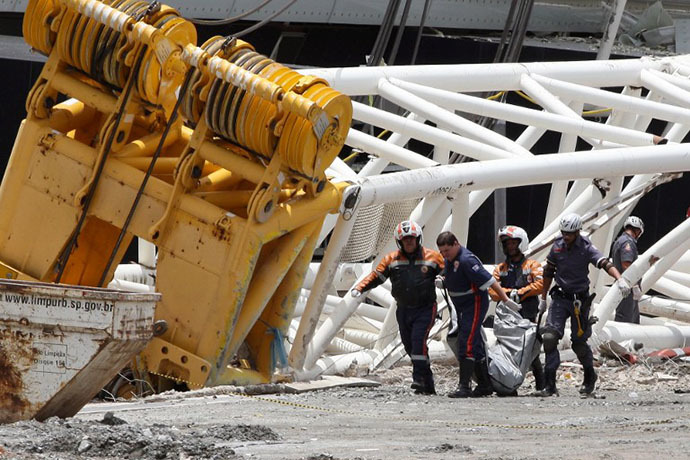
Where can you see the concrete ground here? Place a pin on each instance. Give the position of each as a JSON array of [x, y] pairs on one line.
[[642, 411]]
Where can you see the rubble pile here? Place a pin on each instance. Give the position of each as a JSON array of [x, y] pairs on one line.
[[113, 438]]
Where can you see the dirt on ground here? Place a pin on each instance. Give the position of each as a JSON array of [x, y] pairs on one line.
[[640, 411]]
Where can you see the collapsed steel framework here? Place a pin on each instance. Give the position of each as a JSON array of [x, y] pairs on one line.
[[332, 331]]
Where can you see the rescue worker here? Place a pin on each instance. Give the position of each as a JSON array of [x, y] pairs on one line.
[[568, 263], [522, 279], [624, 253], [412, 270], [467, 281]]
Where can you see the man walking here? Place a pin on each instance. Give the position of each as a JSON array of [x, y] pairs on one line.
[[568, 263], [522, 280], [467, 281], [624, 253], [412, 270]]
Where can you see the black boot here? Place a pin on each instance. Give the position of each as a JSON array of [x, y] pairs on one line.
[[466, 369], [549, 384], [429, 387], [538, 372], [589, 381], [483, 388]]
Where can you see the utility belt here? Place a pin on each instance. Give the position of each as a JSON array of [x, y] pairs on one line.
[[557, 291]]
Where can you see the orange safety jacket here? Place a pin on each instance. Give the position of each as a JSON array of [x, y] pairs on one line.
[[412, 280], [529, 283]]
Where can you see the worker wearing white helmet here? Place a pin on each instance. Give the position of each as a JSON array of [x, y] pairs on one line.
[[568, 264], [522, 279], [412, 270], [624, 253]]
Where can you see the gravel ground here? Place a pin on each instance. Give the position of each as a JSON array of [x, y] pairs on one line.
[[641, 411]]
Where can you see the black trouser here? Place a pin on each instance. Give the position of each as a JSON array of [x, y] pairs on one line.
[[562, 307], [414, 325]]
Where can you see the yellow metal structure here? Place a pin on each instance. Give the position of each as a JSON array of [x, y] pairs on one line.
[[215, 153]]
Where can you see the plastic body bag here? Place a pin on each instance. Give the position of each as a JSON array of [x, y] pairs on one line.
[[515, 349]]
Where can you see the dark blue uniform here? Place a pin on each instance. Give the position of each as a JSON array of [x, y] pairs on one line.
[[572, 279], [625, 250], [467, 282]]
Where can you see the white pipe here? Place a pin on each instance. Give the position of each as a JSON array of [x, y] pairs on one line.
[[419, 183], [668, 308], [130, 286], [470, 78], [683, 264], [677, 236], [559, 120], [655, 337], [136, 273], [661, 86], [386, 150], [147, 253], [678, 277], [437, 114], [461, 216], [329, 265], [358, 337], [622, 102], [339, 346], [660, 267], [428, 134], [590, 197], [559, 189], [609, 36], [672, 289]]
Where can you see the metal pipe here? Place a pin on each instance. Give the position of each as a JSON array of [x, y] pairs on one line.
[[534, 170], [435, 136], [438, 114]]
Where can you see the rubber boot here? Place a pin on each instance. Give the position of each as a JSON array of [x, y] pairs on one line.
[[538, 372], [483, 388], [417, 386], [589, 381], [429, 387], [549, 384], [466, 369]]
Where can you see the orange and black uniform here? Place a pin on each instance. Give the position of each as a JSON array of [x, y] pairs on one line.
[[412, 279], [527, 276]]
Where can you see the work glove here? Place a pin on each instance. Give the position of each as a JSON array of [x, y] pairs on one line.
[[514, 296], [623, 286], [637, 292], [542, 305], [439, 282], [512, 305], [355, 293]]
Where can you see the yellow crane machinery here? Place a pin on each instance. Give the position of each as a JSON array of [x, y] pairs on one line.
[[216, 154]]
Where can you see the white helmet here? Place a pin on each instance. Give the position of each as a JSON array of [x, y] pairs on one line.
[[634, 222], [571, 223], [513, 232], [408, 228]]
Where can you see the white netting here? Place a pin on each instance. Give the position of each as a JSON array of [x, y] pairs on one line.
[[374, 228]]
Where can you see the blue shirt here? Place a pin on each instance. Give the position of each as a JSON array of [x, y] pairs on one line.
[[624, 250], [466, 274], [572, 265]]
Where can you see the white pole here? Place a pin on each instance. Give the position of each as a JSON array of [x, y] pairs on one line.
[[655, 337], [609, 36], [423, 182], [147, 253], [386, 150], [428, 134], [676, 237], [668, 308], [672, 289], [312, 311], [667, 89], [622, 102], [356, 81]]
